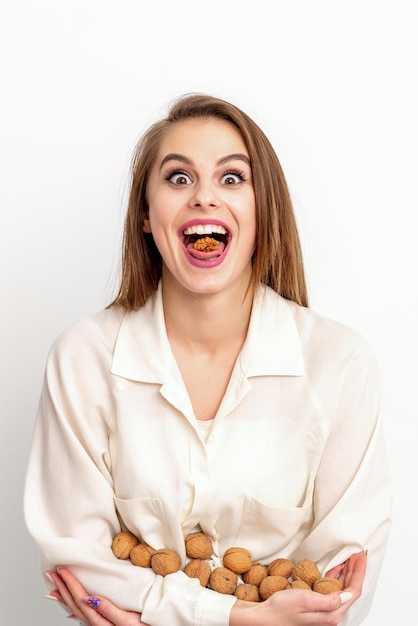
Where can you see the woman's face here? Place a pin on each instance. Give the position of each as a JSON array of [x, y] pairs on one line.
[[202, 206]]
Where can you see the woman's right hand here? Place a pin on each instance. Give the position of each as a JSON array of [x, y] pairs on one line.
[[298, 607], [90, 610]]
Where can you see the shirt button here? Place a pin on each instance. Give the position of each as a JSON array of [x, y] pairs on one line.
[[212, 439], [216, 536]]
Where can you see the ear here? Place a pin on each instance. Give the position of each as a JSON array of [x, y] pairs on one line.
[[146, 226]]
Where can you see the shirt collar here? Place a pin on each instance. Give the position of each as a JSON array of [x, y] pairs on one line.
[[142, 350], [272, 346]]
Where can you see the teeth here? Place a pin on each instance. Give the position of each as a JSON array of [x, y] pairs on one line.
[[205, 229]]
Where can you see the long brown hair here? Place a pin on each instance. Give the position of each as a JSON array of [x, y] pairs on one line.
[[277, 259]]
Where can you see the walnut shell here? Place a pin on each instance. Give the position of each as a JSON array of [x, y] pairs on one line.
[[299, 584], [238, 560], [223, 580], [255, 575], [141, 555], [271, 584], [307, 571], [248, 592], [165, 562], [198, 546], [327, 584], [123, 543], [198, 568], [281, 567]]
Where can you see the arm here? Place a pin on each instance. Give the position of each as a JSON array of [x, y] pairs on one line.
[[352, 496], [69, 493]]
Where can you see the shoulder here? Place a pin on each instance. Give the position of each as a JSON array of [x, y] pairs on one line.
[[323, 340], [92, 337], [312, 324], [329, 343]]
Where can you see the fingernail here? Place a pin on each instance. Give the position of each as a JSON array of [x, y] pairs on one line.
[[48, 597], [345, 596], [92, 601], [48, 575]]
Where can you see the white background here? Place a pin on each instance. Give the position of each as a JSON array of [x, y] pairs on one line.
[[332, 83]]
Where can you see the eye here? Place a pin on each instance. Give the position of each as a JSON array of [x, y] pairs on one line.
[[232, 178], [179, 178]]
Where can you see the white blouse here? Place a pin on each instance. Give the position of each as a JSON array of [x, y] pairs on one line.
[[294, 464]]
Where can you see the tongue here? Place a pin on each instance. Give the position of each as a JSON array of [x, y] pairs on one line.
[[199, 254]]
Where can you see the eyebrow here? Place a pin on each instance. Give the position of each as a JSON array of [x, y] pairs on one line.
[[173, 156], [238, 156]]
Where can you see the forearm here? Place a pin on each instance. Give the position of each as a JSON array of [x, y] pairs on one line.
[[296, 607]]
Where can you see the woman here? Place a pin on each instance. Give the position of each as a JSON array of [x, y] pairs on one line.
[[208, 396]]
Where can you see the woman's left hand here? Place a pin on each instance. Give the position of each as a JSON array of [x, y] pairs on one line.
[[91, 610], [348, 573]]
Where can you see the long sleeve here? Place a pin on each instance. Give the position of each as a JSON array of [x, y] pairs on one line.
[[353, 490]]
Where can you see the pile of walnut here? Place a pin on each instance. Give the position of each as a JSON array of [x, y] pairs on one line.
[[259, 581]]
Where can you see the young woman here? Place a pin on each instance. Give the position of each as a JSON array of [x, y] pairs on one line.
[[208, 396]]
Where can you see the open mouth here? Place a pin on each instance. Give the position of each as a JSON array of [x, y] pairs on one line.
[[205, 241]]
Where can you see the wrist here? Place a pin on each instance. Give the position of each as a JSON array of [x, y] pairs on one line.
[[244, 613]]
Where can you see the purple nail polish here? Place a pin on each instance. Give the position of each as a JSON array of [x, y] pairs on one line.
[[92, 601]]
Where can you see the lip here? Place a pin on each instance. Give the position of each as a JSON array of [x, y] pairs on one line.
[[208, 263]]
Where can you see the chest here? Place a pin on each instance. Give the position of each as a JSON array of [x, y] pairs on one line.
[[263, 427], [206, 379], [168, 480]]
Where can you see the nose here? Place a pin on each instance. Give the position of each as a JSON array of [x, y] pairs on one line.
[[205, 196]]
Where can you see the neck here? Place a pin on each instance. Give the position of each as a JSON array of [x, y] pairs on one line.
[[207, 322]]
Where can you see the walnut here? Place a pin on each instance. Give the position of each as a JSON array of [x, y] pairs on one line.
[[223, 580], [141, 555], [198, 568], [255, 574], [327, 584], [238, 560], [281, 567], [271, 584], [165, 562], [299, 584], [206, 244], [307, 571], [248, 592], [198, 546], [123, 543]]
